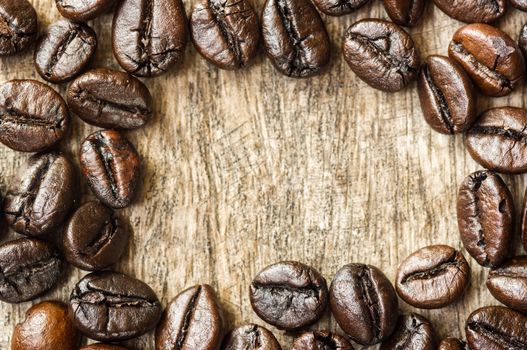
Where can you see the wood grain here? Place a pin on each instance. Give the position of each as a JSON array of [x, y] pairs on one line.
[[242, 169]]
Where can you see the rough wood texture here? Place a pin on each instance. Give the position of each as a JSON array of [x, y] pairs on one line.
[[242, 169]]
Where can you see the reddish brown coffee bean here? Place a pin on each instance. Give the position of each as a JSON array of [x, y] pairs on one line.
[[452, 344], [250, 337], [321, 340], [473, 11], [339, 7], [18, 26], [508, 283], [405, 12], [413, 332], [101, 346], [83, 10]]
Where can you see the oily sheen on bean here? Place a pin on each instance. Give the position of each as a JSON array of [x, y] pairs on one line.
[[473, 11], [18, 26], [321, 340], [508, 283], [405, 12], [83, 10], [339, 7], [452, 344], [413, 332], [250, 337]]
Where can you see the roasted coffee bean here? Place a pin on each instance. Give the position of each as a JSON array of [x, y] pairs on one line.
[[496, 140], [250, 337], [111, 306], [101, 346], [405, 12], [321, 340], [433, 277], [452, 344], [485, 217], [18, 26], [496, 328], [413, 332], [289, 295], [64, 50], [524, 222], [447, 96], [381, 53], [83, 10], [350, 296], [522, 41], [473, 11], [148, 36], [94, 238], [191, 320], [28, 269], [225, 32], [295, 37], [490, 57], [110, 99], [339, 7], [111, 164], [519, 4], [508, 283], [41, 196], [33, 117]]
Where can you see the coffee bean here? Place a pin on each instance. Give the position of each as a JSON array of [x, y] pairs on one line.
[[405, 12], [524, 222], [64, 50], [519, 4], [110, 99], [226, 32], [485, 217], [83, 10], [351, 296], [473, 11], [192, 320], [447, 96], [148, 36], [522, 41], [250, 337], [41, 196], [47, 326], [433, 277], [489, 56], [321, 340], [111, 164], [18, 26], [413, 332], [452, 344], [289, 295], [101, 346], [111, 306], [28, 269], [295, 37], [339, 7], [381, 54], [508, 283], [94, 238], [496, 328], [33, 117]]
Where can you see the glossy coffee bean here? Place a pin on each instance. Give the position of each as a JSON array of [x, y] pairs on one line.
[[110, 99], [405, 12], [321, 340], [33, 117], [522, 40], [250, 337], [295, 37], [47, 327], [452, 344], [495, 140], [18, 26], [473, 11], [381, 54], [226, 33], [111, 164], [508, 283], [447, 97], [111, 306], [496, 328], [28, 269], [413, 332], [485, 217], [339, 7], [94, 238], [365, 322], [433, 277], [148, 37], [192, 320], [101, 346], [83, 10], [64, 50], [41, 196], [490, 57], [289, 295]]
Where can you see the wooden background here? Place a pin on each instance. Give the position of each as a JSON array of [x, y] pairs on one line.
[[242, 169]]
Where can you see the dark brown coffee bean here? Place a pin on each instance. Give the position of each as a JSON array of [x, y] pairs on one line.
[[226, 32], [496, 140], [192, 320], [110, 99], [405, 12], [64, 50], [508, 283], [413, 332], [28, 269], [94, 238], [339, 7], [111, 164], [489, 56], [33, 117], [148, 36], [101, 346], [496, 328], [83, 10], [447, 96], [381, 54], [473, 11], [433, 277], [522, 41], [295, 37], [485, 217], [321, 340], [42, 195], [18, 26], [452, 344], [289, 295], [350, 297], [111, 306], [250, 337], [524, 222]]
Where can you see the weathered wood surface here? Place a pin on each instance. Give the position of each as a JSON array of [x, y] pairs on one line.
[[242, 169]]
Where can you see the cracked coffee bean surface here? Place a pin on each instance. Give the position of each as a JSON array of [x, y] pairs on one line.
[[321, 340], [405, 12], [250, 337], [413, 332], [339, 7], [18, 26], [473, 11], [508, 283], [83, 10]]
